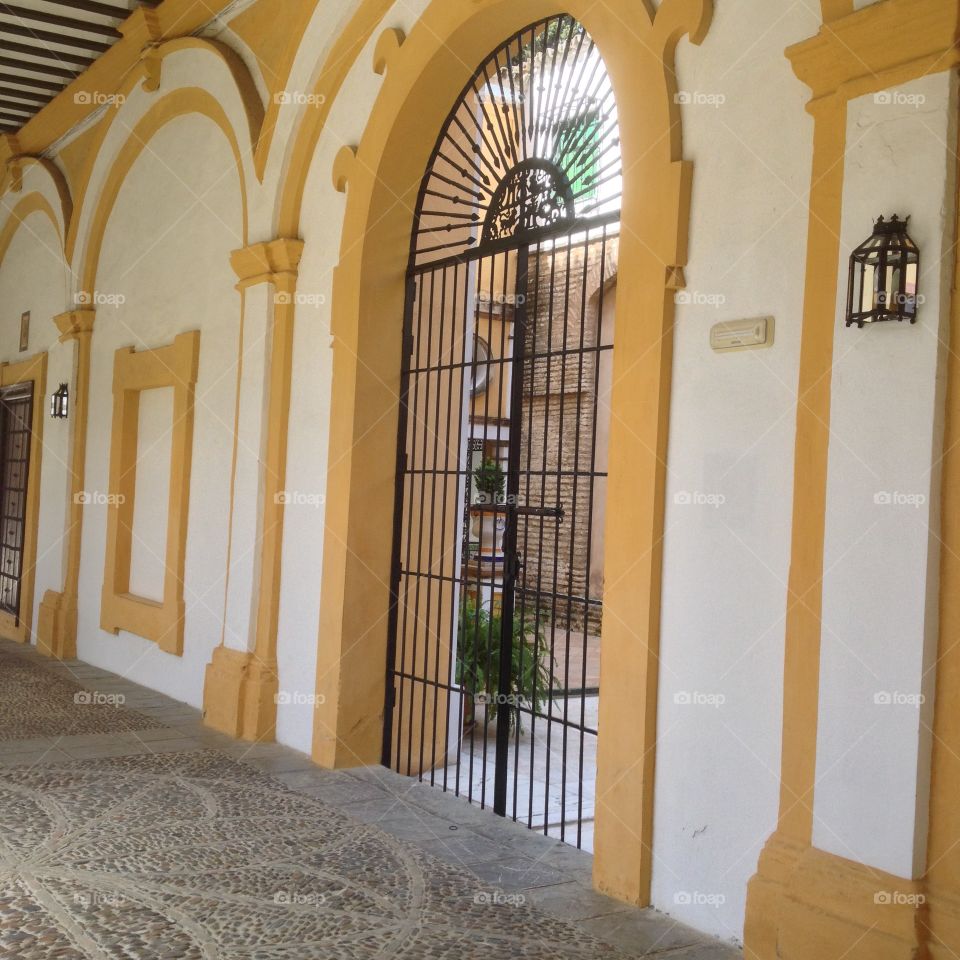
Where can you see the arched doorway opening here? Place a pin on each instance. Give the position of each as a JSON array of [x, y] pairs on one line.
[[497, 582]]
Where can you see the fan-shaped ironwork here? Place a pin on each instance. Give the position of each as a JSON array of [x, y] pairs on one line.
[[530, 149]]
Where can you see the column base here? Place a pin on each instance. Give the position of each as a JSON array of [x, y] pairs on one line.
[[805, 904], [57, 626], [260, 702], [239, 696]]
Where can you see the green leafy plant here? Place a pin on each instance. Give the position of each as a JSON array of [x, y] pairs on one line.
[[490, 481], [478, 661]]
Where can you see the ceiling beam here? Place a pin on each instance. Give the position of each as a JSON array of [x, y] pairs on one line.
[[90, 6], [45, 36], [48, 85], [31, 96], [57, 20], [64, 56], [47, 68], [10, 108]]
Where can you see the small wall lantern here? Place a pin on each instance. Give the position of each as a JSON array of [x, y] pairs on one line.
[[60, 403], [883, 275]]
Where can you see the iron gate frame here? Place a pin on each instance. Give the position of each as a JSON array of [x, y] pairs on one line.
[[520, 242]]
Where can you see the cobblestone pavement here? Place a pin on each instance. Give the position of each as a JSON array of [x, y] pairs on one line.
[[157, 838], [35, 703]]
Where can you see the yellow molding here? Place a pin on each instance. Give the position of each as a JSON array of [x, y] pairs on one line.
[[422, 79], [387, 49], [174, 18], [183, 101], [73, 323], [240, 698], [134, 371], [223, 690], [32, 370], [835, 9], [344, 164], [862, 47], [30, 204], [943, 854], [57, 622], [188, 100], [819, 905], [266, 262], [788, 917], [336, 67]]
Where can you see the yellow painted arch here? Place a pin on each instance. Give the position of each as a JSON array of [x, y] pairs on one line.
[[424, 75], [30, 204], [252, 105], [338, 64], [182, 102]]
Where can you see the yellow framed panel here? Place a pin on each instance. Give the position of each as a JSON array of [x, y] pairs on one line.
[[133, 372]]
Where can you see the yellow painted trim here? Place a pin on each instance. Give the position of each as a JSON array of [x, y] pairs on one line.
[[942, 919], [825, 906], [336, 67], [57, 633], [133, 372], [32, 370], [30, 204], [57, 621], [835, 9], [424, 75], [175, 18], [802, 903], [189, 100], [253, 109], [12, 181], [859, 50], [242, 700]]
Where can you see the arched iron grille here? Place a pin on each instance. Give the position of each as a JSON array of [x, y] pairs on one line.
[[531, 147], [493, 661]]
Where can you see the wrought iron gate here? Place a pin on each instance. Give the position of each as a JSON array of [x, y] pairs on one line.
[[492, 672], [16, 419]]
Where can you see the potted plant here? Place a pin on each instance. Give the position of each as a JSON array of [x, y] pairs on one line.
[[479, 640], [488, 519]]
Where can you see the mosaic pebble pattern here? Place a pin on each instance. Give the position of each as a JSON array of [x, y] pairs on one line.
[[194, 855], [35, 703]]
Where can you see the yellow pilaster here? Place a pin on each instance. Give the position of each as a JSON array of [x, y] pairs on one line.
[[241, 686], [57, 622], [803, 903]]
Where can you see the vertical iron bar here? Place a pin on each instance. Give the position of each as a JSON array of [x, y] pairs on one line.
[[510, 546], [393, 614]]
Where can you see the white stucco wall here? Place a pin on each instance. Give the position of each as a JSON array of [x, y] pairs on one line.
[[321, 226], [34, 277], [730, 459], [730, 465], [880, 556], [166, 254]]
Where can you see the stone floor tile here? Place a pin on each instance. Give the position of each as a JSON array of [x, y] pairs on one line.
[[644, 930], [97, 750], [710, 950], [516, 873], [571, 901]]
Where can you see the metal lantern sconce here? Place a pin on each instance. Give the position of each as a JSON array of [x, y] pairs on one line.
[[883, 275], [60, 403]]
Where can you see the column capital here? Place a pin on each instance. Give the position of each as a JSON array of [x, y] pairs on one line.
[[72, 323], [854, 52], [275, 261]]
